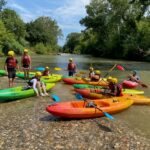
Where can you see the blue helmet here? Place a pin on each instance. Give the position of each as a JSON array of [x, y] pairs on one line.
[[135, 71]]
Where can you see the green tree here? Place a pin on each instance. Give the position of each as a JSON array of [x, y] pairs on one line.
[[71, 41], [43, 30], [13, 23], [2, 4]]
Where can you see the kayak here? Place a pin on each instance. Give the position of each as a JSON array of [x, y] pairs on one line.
[[51, 78], [15, 93], [80, 109], [129, 84], [137, 99], [78, 80], [93, 87], [46, 79], [3, 73]]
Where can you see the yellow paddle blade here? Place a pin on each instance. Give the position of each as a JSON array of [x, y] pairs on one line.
[[82, 72], [57, 69]]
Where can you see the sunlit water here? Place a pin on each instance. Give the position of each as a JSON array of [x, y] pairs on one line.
[[137, 117]]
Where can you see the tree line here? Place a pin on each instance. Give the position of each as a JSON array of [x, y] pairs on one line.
[[117, 29], [40, 35]]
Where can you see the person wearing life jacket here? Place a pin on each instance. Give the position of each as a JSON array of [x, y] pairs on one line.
[[97, 75], [91, 72], [134, 77], [37, 85], [46, 72], [114, 89], [11, 64], [26, 63], [71, 67]]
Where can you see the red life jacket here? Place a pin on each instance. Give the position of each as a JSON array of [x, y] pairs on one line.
[[11, 63], [71, 66], [26, 60], [45, 73], [118, 87]]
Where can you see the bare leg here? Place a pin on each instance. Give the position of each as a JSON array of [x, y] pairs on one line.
[[9, 82], [39, 88], [13, 81], [44, 89]]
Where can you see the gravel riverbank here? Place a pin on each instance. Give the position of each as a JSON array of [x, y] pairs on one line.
[[25, 125]]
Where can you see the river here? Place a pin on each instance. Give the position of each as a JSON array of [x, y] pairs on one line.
[[137, 117]]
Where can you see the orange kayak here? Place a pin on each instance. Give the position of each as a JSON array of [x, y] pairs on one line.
[[77, 80], [79, 109], [137, 99]]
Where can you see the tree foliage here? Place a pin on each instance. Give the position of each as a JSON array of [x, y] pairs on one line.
[[116, 29]]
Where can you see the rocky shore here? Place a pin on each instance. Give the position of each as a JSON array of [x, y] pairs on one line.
[[25, 125]]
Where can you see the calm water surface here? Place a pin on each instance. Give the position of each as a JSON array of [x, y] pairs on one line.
[[137, 117]]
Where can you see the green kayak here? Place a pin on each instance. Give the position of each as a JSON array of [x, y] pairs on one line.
[[87, 86], [15, 93]]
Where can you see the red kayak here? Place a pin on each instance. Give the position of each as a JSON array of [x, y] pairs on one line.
[[129, 84]]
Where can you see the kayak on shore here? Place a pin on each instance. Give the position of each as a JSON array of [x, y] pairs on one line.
[[137, 99], [80, 109], [15, 93]]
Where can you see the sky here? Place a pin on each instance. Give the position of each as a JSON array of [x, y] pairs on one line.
[[67, 13]]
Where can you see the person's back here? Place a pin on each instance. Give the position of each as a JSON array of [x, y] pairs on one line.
[[46, 72]]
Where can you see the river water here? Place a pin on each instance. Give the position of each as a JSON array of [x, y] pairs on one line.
[[137, 117]]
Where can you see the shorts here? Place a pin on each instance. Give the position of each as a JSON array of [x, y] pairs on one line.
[[25, 66], [11, 73]]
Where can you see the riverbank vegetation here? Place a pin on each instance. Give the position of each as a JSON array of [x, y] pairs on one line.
[[40, 35], [114, 29]]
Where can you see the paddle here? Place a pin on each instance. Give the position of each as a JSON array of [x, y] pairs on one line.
[[79, 96], [110, 70], [55, 98], [119, 67], [43, 68]]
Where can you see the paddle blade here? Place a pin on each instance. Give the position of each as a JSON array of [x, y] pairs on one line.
[[119, 67], [108, 115], [40, 68], [55, 98], [144, 85], [57, 69], [78, 96]]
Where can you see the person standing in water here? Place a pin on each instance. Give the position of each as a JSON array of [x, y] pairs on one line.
[[26, 64], [71, 67], [11, 64]]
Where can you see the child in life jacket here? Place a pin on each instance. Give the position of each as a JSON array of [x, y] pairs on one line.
[[114, 89], [11, 64], [97, 76], [38, 87], [26, 63], [46, 72], [71, 67]]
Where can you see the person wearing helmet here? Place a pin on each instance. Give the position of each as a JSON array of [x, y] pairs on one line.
[[26, 63], [37, 85], [46, 72], [134, 77], [97, 76], [11, 64], [114, 89], [71, 67]]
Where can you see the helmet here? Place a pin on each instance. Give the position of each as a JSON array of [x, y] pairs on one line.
[[47, 68], [109, 79], [91, 68], [115, 80], [97, 72], [70, 59], [11, 53], [25, 50], [38, 73]]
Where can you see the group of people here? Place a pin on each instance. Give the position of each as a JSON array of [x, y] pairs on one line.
[[11, 64]]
